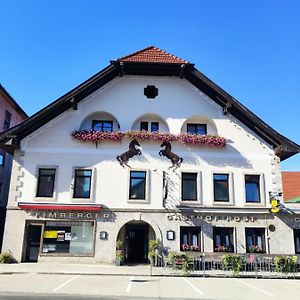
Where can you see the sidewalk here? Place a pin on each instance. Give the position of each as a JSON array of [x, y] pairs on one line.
[[77, 269]]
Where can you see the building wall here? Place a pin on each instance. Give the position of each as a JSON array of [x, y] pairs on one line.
[[178, 102], [122, 101], [5, 171]]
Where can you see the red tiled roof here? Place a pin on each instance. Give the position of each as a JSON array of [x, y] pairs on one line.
[[153, 55], [290, 185]]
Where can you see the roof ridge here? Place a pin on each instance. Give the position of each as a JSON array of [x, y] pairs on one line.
[[134, 53], [146, 55]]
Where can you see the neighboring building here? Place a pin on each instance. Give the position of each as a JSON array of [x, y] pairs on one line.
[[71, 198], [11, 114], [291, 186]]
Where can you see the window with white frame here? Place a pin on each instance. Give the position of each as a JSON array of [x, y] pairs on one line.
[[149, 126], [100, 125], [189, 186], [297, 240], [252, 188], [137, 185], [255, 240], [221, 187], [82, 183], [45, 185], [196, 128]]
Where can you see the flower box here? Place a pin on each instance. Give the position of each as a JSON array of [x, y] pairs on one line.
[[117, 136]]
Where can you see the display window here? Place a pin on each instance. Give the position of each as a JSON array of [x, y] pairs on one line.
[[74, 238]]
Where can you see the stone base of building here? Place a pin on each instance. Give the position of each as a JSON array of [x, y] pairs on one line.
[[93, 237]]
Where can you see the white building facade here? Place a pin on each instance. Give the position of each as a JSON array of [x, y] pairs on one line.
[[71, 199]]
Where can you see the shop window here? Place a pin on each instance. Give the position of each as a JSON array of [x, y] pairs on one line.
[[194, 128], [99, 125], [82, 183], [223, 239], [7, 119], [189, 186], [255, 240], [252, 188], [45, 186], [154, 126], [190, 238], [137, 186], [297, 240], [221, 187], [2, 158], [68, 238]]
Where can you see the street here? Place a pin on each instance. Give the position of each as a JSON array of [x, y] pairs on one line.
[[73, 287]]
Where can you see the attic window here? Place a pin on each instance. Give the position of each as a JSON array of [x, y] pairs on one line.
[[150, 91]]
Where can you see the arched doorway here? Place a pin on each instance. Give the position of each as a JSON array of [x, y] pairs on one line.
[[135, 237]]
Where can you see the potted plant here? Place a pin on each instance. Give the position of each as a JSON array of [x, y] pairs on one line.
[[255, 249], [119, 253], [222, 248]]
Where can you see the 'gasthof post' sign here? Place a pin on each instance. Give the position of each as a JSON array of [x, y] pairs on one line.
[[210, 218]]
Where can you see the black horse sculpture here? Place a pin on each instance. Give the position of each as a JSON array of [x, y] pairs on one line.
[[124, 158], [175, 159]]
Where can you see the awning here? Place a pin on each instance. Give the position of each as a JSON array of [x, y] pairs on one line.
[[56, 206]]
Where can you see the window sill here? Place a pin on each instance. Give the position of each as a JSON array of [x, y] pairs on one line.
[[139, 201], [189, 203], [220, 203], [45, 199], [255, 204], [82, 200]]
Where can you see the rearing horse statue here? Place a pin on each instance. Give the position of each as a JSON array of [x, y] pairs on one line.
[[175, 159], [133, 150]]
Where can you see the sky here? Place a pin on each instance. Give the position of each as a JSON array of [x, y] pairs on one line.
[[249, 48]]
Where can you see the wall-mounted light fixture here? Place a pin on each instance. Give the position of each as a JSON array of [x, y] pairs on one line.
[[103, 235]]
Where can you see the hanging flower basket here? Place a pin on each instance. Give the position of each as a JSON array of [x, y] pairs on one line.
[[117, 136]]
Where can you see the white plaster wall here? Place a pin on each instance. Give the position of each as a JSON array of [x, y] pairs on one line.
[[177, 102]]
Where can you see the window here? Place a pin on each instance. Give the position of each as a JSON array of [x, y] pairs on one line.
[[190, 238], [154, 126], [7, 119], [102, 125], [221, 187], [255, 240], [137, 189], [144, 126], [197, 128], [223, 239], [189, 186], [252, 188], [82, 183], [68, 237], [297, 240], [45, 185], [2, 158]]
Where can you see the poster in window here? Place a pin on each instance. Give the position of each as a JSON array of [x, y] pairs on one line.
[[60, 235], [68, 236], [50, 234]]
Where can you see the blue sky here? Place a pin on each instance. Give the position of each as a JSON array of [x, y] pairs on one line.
[[250, 48]]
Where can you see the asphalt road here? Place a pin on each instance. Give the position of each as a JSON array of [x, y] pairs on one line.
[[78, 287]]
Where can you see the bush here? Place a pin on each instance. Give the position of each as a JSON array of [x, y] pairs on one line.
[[234, 262], [285, 263], [179, 260], [153, 246], [7, 258]]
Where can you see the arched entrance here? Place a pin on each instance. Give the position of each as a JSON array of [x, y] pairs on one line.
[[135, 237]]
